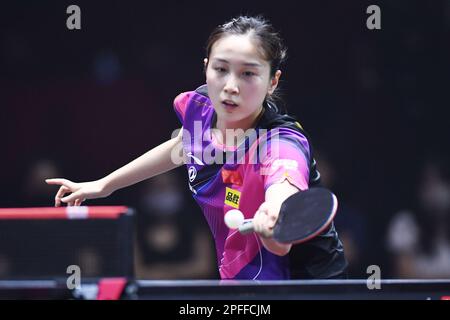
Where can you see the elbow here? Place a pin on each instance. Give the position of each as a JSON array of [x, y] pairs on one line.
[[284, 250], [280, 249]]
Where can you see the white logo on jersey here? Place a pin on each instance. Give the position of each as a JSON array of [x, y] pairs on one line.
[[192, 172], [192, 189], [196, 160], [287, 164]]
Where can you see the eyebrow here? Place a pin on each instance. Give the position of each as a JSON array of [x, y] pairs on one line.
[[247, 64]]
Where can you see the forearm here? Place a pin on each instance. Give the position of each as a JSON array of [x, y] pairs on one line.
[[275, 195], [156, 161]]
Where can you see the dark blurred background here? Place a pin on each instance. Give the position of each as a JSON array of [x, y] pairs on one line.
[[81, 103]]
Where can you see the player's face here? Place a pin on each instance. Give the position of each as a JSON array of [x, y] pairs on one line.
[[238, 79]]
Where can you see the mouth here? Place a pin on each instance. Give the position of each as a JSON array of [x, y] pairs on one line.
[[229, 103]]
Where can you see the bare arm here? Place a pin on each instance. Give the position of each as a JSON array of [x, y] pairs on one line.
[[160, 159], [267, 215], [152, 163]]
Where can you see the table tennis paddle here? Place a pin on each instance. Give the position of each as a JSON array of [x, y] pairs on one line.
[[303, 216]]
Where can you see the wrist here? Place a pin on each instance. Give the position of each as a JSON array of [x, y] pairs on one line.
[[106, 186]]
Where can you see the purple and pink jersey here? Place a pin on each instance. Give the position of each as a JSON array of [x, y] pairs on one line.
[[239, 184]]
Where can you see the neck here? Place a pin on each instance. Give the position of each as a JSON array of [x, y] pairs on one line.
[[243, 124]]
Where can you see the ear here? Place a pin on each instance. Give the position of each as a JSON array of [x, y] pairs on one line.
[[274, 82], [205, 65]]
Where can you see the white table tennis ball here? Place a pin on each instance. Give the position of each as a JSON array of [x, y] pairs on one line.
[[234, 218]]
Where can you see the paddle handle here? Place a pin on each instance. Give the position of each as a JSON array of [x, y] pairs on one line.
[[246, 227]]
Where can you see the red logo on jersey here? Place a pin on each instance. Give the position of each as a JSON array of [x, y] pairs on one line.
[[229, 176]]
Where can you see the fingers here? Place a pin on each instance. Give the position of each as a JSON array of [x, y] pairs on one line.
[[264, 207], [60, 181], [75, 203], [262, 224], [61, 192], [272, 220], [66, 187], [78, 202], [258, 222], [76, 197], [265, 219], [271, 212], [72, 198]]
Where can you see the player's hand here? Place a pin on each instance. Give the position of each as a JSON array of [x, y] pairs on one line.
[[265, 218], [79, 192]]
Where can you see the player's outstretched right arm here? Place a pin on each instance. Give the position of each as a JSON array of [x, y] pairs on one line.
[[156, 161]]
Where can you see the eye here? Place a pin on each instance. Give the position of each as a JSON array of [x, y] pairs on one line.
[[220, 69], [248, 74]]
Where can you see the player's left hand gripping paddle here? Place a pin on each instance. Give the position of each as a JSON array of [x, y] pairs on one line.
[[303, 216]]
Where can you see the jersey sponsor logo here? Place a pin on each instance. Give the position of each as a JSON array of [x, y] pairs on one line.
[[232, 197], [231, 176], [196, 160], [286, 164], [200, 103], [192, 172], [259, 141], [192, 189]]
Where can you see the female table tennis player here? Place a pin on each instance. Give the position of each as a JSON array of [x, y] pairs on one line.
[[242, 66]]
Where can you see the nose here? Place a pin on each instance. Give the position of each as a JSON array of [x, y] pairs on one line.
[[231, 86]]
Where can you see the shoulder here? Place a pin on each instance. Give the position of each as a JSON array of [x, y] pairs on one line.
[[198, 97], [290, 139], [202, 90], [283, 125], [287, 130], [193, 105]]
